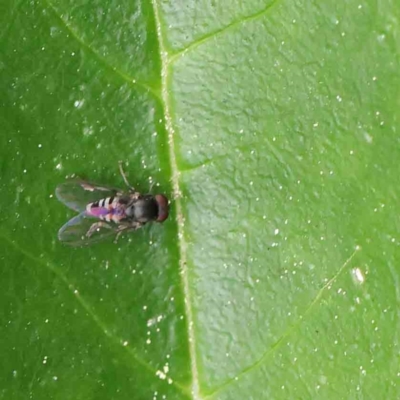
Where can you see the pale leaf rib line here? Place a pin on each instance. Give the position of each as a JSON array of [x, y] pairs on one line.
[[85, 306], [212, 35], [9, 24], [287, 333], [125, 77], [396, 331], [182, 247]]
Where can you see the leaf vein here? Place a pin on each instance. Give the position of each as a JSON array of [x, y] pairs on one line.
[[227, 28], [95, 318], [124, 76], [175, 173], [9, 24], [393, 361], [265, 356]]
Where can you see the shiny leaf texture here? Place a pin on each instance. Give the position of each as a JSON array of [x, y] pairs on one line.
[[273, 128]]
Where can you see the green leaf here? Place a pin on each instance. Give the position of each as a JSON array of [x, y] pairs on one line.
[[272, 127]]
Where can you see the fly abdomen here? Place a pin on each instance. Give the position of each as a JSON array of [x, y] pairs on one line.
[[106, 209]]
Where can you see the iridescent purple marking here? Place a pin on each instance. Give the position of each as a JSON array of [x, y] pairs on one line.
[[98, 211]]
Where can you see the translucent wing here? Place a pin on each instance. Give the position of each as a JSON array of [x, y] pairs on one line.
[[74, 232], [77, 194]]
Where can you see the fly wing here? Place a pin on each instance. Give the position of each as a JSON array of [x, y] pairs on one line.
[[77, 194], [74, 232]]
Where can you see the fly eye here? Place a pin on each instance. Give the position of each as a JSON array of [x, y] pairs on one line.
[[162, 203]]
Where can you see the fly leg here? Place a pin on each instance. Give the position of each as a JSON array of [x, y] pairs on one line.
[[127, 228], [118, 235], [96, 226], [151, 186], [92, 187], [124, 177]]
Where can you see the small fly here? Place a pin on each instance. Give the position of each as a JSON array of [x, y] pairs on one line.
[[116, 211]]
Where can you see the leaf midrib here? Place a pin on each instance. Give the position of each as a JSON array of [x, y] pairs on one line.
[[181, 243]]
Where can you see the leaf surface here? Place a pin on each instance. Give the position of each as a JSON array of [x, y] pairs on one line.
[[272, 127]]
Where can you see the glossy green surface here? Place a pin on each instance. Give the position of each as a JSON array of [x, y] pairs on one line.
[[273, 128]]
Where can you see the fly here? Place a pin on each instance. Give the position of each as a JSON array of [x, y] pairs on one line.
[[106, 211]]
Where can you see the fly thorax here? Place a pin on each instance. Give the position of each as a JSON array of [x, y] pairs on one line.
[[145, 209], [130, 211]]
